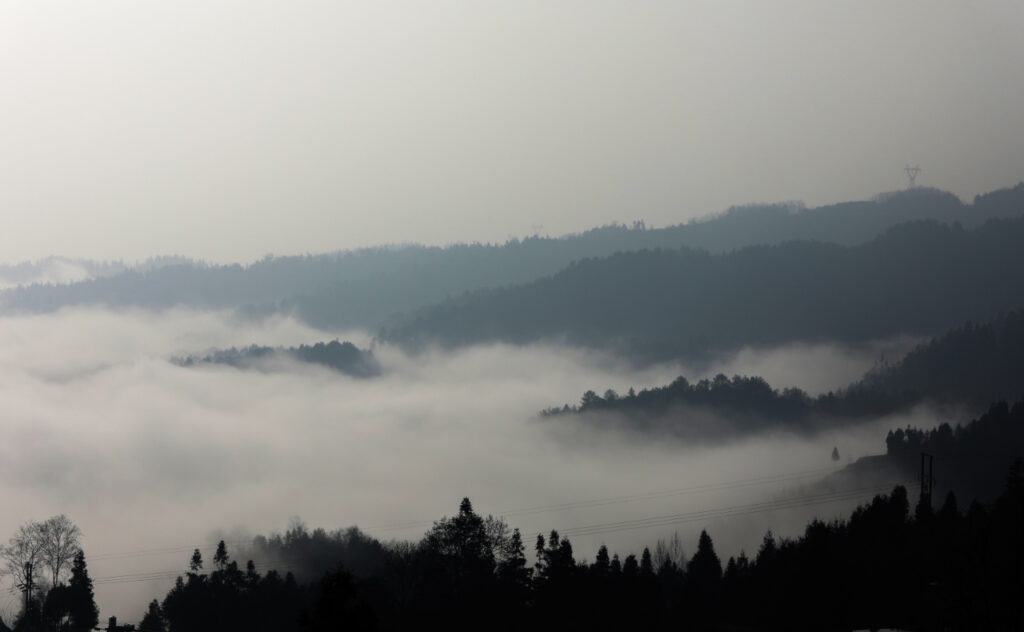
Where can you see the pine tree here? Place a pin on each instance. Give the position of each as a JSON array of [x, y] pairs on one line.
[[220, 558], [705, 567], [82, 606], [512, 569], [196, 563], [154, 619], [646, 565], [601, 566]]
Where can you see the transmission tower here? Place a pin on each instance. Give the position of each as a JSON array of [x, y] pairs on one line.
[[912, 174]]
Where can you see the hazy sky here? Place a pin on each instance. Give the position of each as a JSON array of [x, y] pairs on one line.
[[228, 130]]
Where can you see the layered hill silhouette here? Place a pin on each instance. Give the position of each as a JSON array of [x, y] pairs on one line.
[[368, 288], [918, 278]]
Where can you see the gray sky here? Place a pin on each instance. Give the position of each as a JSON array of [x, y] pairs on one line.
[[228, 130]]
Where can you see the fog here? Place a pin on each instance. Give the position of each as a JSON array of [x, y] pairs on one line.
[[815, 368], [54, 270], [227, 130], [151, 459]]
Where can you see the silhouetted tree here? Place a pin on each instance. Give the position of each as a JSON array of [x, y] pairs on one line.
[[153, 621], [57, 608], [196, 563], [703, 580], [60, 543], [81, 602], [220, 557], [705, 568]]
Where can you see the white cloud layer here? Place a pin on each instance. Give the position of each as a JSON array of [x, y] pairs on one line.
[[146, 456]]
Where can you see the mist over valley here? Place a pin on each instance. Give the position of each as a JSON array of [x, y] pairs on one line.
[[548, 316]]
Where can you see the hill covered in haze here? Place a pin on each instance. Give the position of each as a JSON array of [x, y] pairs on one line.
[[969, 367], [918, 278], [369, 287]]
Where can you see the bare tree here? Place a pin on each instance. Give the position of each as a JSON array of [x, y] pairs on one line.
[[22, 556], [669, 553], [39, 549], [60, 544]]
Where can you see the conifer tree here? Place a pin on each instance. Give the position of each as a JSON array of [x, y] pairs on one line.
[[82, 602], [220, 558], [154, 619]]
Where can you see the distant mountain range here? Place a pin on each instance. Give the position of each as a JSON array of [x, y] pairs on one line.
[[374, 288], [917, 278]]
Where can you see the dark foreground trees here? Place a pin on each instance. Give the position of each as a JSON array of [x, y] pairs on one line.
[[890, 564], [47, 567]]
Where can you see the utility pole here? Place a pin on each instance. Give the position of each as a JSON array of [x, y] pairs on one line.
[[927, 482], [28, 584]]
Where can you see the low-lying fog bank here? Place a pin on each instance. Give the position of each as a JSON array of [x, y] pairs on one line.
[[150, 458]]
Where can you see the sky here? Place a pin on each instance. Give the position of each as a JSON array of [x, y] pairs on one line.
[[229, 130]]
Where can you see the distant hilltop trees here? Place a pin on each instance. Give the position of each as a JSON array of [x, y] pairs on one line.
[[972, 365], [343, 357]]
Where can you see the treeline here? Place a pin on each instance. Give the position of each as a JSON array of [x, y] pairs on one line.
[[717, 408], [882, 567], [369, 287], [919, 278], [973, 365], [344, 357]]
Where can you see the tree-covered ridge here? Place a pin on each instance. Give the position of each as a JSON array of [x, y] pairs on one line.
[[972, 365], [367, 287], [344, 357], [918, 278]]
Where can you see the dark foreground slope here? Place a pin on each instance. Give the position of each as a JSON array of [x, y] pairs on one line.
[[918, 278], [968, 460]]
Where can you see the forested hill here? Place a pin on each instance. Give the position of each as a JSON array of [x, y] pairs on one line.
[[918, 278], [344, 357], [364, 288], [971, 367], [974, 364]]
